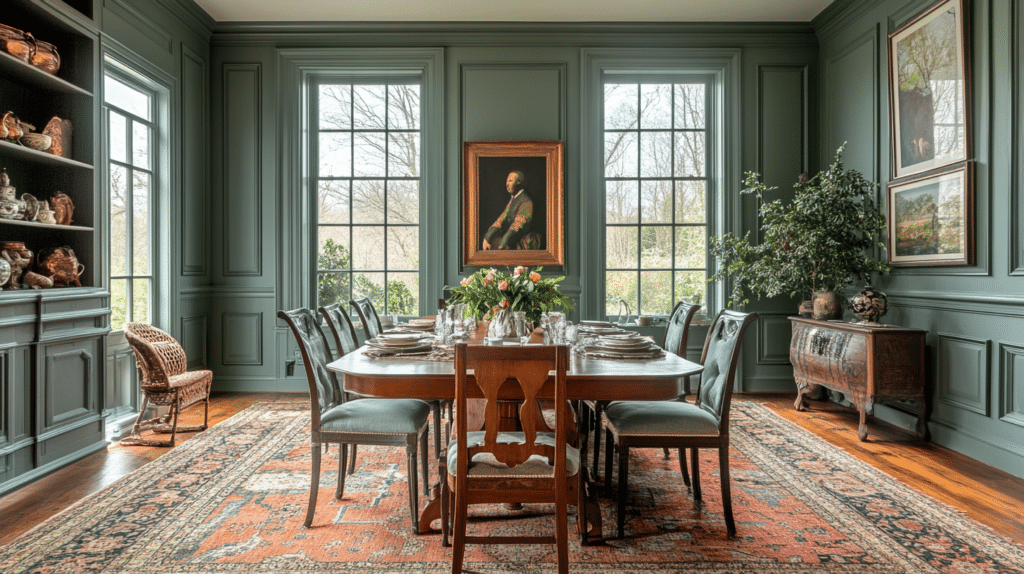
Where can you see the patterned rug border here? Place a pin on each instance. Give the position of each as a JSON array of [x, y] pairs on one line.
[[743, 440]]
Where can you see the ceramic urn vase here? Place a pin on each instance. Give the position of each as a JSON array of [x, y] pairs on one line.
[[827, 305], [869, 304]]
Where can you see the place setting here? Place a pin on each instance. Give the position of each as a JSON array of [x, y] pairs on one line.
[[622, 346], [390, 344]]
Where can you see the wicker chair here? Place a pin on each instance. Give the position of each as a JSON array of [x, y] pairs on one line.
[[161, 363]]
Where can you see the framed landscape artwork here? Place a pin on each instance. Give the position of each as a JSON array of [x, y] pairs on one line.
[[931, 219], [512, 203], [929, 96]]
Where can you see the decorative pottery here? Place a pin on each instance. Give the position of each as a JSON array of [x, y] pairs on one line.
[[827, 305], [63, 208], [60, 264], [19, 258], [60, 132], [36, 281], [5, 272], [46, 216], [40, 142], [869, 304], [24, 46], [10, 127]]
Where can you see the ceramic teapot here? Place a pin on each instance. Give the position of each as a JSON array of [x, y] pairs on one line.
[[18, 257], [61, 265]]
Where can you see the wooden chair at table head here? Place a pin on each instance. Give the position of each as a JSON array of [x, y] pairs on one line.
[[385, 422], [489, 466], [162, 364], [676, 424]]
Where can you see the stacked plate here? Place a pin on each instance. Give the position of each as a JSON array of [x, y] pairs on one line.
[[400, 343], [595, 328], [420, 325], [625, 346]]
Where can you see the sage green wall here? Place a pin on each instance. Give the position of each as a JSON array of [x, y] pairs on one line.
[[974, 314], [168, 40], [493, 81]]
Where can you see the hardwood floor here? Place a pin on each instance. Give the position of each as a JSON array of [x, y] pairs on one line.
[[990, 496]]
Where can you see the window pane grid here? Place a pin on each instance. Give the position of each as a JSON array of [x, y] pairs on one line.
[[369, 117], [656, 261]]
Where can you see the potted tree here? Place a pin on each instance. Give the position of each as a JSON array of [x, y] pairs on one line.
[[813, 245]]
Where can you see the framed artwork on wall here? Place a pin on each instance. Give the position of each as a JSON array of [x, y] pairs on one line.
[[929, 90], [931, 218], [512, 203]]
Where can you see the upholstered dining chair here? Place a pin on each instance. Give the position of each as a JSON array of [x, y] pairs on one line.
[[368, 317], [675, 340], [490, 466], [161, 363], [386, 422], [676, 424]]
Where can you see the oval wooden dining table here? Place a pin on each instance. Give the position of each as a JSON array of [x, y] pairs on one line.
[[587, 378]]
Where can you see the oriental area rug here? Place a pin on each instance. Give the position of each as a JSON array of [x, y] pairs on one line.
[[233, 499]]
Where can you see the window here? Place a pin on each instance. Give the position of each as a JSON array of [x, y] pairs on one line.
[[130, 113], [367, 176], [656, 182]]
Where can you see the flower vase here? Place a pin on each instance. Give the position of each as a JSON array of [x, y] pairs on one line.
[[869, 304], [502, 324]]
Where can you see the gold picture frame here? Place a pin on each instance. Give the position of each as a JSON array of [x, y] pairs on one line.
[[518, 225]]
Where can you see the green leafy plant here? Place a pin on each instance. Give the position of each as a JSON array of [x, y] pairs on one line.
[[820, 240], [522, 289]]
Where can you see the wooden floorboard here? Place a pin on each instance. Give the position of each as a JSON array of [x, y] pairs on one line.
[[986, 494]]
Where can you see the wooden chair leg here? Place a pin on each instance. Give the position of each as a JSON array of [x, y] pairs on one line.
[[695, 464], [442, 474], [623, 482], [352, 461], [608, 452], [723, 470], [562, 536], [342, 460], [667, 456], [682, 467], [424, 463], [314, 485], [414, 488], [435, 413], [459, 534], [598, 411]]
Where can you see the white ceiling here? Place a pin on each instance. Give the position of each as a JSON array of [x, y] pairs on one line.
[[515, 11]]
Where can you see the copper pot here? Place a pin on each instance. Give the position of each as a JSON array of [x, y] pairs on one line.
[[61, 265]]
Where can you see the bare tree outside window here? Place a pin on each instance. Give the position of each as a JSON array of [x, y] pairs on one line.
[[656, 184], [131, 134], [367, 193]]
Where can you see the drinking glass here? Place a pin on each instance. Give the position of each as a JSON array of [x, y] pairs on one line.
[[469, 323], [556, 321], [439, 321], [522, 328], [571, 334]]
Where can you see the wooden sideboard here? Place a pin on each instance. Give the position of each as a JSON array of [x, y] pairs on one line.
[[866, 363]]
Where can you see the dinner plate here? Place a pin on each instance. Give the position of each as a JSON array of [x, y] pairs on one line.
[[624, 343], [599, 330], [605, 324], [422, 322], [396, 343], [416, 326], [401, 350], [622, 354], [400, 336]]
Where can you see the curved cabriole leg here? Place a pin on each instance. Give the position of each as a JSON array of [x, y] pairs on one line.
[[314, 485], [352, 461], [862, 429]]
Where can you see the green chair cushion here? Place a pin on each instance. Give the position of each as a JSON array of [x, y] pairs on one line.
[[377, 416], [660, 418], [484, 463]]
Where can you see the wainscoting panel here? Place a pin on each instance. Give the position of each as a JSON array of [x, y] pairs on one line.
[[782, 128], [193, 340], [195, 203], [513, 101], [774, 335], [963, 372], [851, 105], [69, 384], [242, 339], [242, 240], [1011, 383]]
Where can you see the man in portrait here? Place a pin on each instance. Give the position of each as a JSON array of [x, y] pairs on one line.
[[514, 228]]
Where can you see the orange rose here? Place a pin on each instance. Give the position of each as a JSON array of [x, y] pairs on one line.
[[464, 282], [534, 276], [519, 271], [503, 286], [504, 304]]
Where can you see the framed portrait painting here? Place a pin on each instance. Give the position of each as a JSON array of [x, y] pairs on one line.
[[929, 90], [512, 203], [931, 219]]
